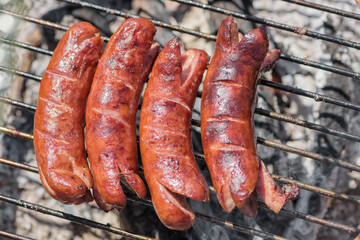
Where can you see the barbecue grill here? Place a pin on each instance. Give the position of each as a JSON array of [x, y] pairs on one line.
[[277, 87]]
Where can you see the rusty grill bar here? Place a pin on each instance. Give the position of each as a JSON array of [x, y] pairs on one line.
[[325, 8], [14, 236], [282, 117]]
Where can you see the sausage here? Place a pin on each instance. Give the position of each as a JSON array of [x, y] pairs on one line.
[[165, 135], [111, 112], [227, 110], [274, 196], [60, 114], [270, 59]]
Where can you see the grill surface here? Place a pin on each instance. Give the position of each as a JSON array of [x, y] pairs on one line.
[[263, 112]]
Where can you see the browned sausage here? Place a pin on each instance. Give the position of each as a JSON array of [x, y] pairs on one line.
[[111, 111], [227, 109], [165, 134], [274, 196], [59, 117]]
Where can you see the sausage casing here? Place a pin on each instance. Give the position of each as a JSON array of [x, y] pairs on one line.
[[59, 117], [227, 109], [111, 111], [165, 134]]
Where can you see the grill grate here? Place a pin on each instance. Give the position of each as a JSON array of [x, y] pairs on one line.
[[227, 224], [260, 111]]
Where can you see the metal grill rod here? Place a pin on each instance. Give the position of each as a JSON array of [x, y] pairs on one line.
[[321, 66], [266, 22], [16, 133], [26, 46], [316, 96], [306, 124], [283, 56], [325, 9], [201, 157], [312, 155], [14, 236], [20, 73], [227, 224], [42, 22], [17, 103], [310, 218]]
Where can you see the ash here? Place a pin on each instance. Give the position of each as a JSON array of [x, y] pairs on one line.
[[143, 220]]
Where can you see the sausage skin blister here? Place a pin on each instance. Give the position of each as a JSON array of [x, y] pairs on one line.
[[111, 111], [60, 114], [165, 135]]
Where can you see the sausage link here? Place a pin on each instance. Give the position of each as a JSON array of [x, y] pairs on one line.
[[59, 117], [165, 134], [111, 111], [227, 110], [274, 196]]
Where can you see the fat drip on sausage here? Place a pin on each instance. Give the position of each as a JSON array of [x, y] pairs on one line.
[[165, 135], [60, 114], [111, 112]]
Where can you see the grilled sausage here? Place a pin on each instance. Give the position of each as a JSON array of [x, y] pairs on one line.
[[59, 117], [111, 111], [270, 59], [165, 134], [274, 196], [227, 110]]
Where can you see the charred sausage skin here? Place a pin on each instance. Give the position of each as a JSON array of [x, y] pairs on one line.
[[165, 134], [227, 110], [111, 111], [60, 113]]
